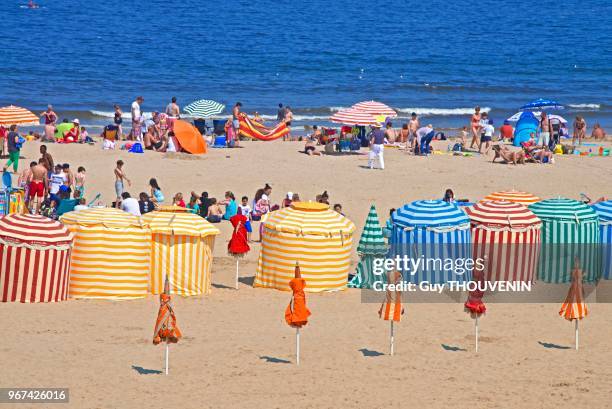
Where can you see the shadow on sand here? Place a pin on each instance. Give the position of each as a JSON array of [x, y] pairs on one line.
[[548, 345], [144, 371], [452, 348], [272, 360], [369, 353]]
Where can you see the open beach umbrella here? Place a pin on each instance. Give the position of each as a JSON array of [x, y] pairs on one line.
[[375, 108], [189, 137], [296, 313], [541, 103], [204, 108], [569, 229], [166, 329], [574, 308], [371, 246], [604, 211], [552, 117], [514, 196], [352, 116], [12, 115]]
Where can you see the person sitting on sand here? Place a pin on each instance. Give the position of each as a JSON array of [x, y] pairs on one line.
[[157, 196], [153, 139], [82, 205], [74, 133], [310, 147], [177, 200], [507, 155], [323, 198], [145, 204], [231, 207], [449, 196], [194, 205], [506, 131], [338, 209], [295, 198], [537, 152], [598, 132], [215, 213], [390, 133]]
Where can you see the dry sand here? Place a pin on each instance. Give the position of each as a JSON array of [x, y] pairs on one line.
[[237, 350]]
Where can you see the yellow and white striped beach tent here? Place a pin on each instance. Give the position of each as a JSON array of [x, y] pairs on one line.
[[111, 254], [319, 238], [181, 247]]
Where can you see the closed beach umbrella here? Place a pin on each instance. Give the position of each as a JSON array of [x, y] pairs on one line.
[[181, 250], [375, 108], [574, 307], [352, 116], [166, 330], [515, 196], [312, 234], [435, 231], [604, 211], [111, 254], [391, 308], [34, 259], [204, 108], [569, 229], [371, 246], [296, 313], [12, 115], [541, 103]]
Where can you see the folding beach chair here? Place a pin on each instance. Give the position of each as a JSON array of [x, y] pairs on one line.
[[219, 126], [200, 124]]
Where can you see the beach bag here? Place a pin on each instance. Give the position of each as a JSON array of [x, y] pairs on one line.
[[457, 147]]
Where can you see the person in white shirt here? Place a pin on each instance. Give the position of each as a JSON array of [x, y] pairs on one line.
[[424, 135], [244, 207], [137, 119], [130, 204], [487, 136], [57, 180]]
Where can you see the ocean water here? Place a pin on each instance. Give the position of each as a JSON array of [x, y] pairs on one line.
[[437, 58]]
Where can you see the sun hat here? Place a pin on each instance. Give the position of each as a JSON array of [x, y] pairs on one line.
[[76, 121]]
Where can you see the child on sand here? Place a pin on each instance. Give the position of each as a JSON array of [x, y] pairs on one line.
[[157, 196], [79, 183], [214, 212], [120, 176], [244, 208], [178, 200]]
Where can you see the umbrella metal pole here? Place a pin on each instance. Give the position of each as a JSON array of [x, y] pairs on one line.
[[476, 329], [391, 339], [237, 263], [297, 346], [576, 335], [167, 356]]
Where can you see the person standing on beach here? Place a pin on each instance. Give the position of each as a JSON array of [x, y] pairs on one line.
[[579, 130], [236, 121], [475, 127], [413, 126], [47, 159], [137, 119], [120, 176], [38, 182], [377, 145], [280, 114], [544, 129], [50, 118], [118, 120], [174, 112], [14, 147]]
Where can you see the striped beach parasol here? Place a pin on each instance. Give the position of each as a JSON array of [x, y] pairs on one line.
[[34, 259], [166, 330], [375, 108], [12, 115], [352, 116], [431, 229], [513, 196], [371, 246], [319, 238], [574, 307], [604, 211], [204, 108], [569, 229]]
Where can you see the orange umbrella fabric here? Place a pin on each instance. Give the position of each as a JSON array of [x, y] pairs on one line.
[[189, 137], [574, 307], [296, 313], [12, 115], [165, 327], [391, 308]]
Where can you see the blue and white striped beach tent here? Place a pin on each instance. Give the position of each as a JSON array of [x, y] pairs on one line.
[[604, 211], [436, 232]]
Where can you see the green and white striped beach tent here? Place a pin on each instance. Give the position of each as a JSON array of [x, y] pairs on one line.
[[371, 246], [569, 229]]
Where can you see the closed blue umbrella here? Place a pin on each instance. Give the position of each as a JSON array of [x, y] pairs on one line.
[[204, 108], [542, 103]]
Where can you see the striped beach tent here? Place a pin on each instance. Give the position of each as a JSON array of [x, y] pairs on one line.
[[507, 236], [513, 196], [438, 234], [375, 108], [34, 259], [181, 249], [311, 234], [604, 211], [569, 229], [111, 254], [12, 115], [371, 246]]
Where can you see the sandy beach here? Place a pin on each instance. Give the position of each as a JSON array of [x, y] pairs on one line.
[[238, 352]]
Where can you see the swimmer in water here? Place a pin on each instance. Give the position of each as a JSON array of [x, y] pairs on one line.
[[32, 5]]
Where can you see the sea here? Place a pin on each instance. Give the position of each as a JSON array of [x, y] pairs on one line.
[[438, 58]]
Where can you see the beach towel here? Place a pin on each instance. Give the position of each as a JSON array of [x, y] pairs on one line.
[[255, 130]]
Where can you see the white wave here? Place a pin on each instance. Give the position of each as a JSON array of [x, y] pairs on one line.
[[442, 111], [585, 106], [336, 109]]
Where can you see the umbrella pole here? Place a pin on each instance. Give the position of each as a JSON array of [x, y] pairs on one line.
[[297, 345], [576, 335], [391, 339], [476, 329], [167, 356], [237, 263]]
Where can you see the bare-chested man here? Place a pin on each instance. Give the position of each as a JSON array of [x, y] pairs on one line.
[[38, 186], [413, 125], [390, 133], [173, 109], [544, 128]]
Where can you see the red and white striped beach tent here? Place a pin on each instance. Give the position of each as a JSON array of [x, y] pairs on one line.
[[375, 108], [507, 236], [352, 116], [34, 259]]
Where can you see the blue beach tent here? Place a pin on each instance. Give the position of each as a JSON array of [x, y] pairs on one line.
[[526, 125], [604, 211]]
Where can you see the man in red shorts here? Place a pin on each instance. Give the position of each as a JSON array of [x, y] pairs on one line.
[[38, 185]]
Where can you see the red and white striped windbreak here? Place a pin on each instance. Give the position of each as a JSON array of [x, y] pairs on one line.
[[375, 108], [12, 115], [352, 116], [507, 236], [34, 259], [513, 196]]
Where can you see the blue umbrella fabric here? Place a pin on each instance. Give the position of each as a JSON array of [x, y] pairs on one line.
[[542, 103], [204, 108]]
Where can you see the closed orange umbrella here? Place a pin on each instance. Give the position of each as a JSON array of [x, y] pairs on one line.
[[391, 309], [574, 308], [165, 326], [296, 313], [12, 115], [189, 137]]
